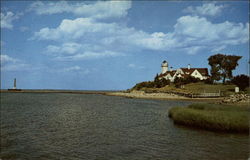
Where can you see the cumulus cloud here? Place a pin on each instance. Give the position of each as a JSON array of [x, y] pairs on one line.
[[65, 48], [75, 29], [12, 64], [7, 59], [89, 55], [88, 37], [198, 31], [97, 10], [7, 19], [207, 9]]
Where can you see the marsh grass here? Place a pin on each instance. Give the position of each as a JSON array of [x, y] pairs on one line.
[[214, 117]]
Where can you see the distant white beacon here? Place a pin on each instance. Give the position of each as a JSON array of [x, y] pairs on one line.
[[14, 87]]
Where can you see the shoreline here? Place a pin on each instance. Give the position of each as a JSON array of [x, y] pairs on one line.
[[55, 91], [134, 94], [159, 96]]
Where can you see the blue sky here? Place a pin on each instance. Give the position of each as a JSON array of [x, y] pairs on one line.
[[112, 45]]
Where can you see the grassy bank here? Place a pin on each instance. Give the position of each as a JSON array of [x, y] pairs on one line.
[[226, 118], [195, 88]]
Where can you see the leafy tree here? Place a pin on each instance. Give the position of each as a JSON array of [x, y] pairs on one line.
[[222, 66], [157, 81], [242, 81], [156, 77]]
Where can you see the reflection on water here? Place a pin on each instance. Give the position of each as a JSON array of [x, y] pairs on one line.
[[78, 126]]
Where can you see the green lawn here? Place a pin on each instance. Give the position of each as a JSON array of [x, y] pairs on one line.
[[227, 118], [195, 88]]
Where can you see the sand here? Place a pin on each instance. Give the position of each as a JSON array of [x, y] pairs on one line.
[[164, 96]]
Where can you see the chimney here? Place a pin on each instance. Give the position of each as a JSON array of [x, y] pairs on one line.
[[171, 68], [189, 66]]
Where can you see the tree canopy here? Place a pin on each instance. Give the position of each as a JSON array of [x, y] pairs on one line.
[[222, 66], [242, 81]]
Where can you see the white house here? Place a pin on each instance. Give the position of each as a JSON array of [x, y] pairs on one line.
[[200, 73]]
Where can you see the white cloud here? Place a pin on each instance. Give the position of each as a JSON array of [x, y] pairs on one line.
[[24, 29], [7, 19], [89, 55], [218, 49], [7, 59], [97, 10], [87, 38], [67, 48], [131, 65], [192, 34], [207, 9], [74, 29], [74, 68], [194, 49], [71, 69], [12, 64], [198, 31]]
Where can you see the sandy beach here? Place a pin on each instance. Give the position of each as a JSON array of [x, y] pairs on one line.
[[163, 96]]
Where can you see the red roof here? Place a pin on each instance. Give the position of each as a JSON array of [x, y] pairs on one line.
[[203, 71], [168, 72]]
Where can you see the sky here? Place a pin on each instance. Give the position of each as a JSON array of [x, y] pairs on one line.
[[112, 45]]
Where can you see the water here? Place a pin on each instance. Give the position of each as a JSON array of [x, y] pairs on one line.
[[79, 126]]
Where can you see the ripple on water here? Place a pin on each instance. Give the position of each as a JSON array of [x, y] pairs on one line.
[[78, 126]]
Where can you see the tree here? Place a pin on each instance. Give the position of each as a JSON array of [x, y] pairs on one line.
[[222, 66], [157, 81], [242, 81]]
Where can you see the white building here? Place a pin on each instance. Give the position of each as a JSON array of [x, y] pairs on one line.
[[200, 73]]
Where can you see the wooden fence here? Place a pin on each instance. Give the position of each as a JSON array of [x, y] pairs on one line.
[[195, 95], [206, 95]]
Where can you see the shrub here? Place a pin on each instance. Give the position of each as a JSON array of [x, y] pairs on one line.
[[161, 83], [208, 81], [242, 81], [178, 82], [191, 79], [141, 85], [181, 81]]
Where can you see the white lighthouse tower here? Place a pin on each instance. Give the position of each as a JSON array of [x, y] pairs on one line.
[[164, 67]]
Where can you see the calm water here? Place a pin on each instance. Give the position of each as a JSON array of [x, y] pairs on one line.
[[78, 126]]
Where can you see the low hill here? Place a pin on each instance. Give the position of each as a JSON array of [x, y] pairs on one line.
[[192, 88]]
